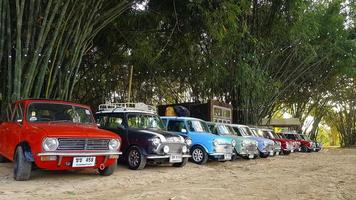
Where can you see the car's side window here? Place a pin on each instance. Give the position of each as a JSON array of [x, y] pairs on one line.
[[266, 135], [111, 121], [18, 113], [176, 126], [213, 129], [237, 131]]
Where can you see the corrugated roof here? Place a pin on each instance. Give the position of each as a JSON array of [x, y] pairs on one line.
[[281, 122]]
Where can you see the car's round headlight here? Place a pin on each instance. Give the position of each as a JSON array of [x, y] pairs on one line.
[[216, 142], [184, 149], [166, 149], [156, 141], [114, 144], [188, 141], [50, 144], [233, 143]]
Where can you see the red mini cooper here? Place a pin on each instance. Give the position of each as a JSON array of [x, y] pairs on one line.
[[55, 135]]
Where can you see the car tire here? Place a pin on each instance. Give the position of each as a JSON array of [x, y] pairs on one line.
[[3, 159], [262, 155], [135, 158], [286, 152], [22, 167], [304, 149], [199, 155], [234, 157], [181, 164], [109, 170]]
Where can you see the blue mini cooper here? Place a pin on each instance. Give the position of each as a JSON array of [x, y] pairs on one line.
[[205, 145]]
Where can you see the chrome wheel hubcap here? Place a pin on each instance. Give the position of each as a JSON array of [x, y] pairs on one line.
[[197, 155], [134, 158]]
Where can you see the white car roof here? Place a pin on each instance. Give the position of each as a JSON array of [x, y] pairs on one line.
[[185, 118]]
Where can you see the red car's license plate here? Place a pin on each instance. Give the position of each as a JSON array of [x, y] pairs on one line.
[[83, 162]]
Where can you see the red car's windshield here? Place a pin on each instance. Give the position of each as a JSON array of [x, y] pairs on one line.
[[55, 112]]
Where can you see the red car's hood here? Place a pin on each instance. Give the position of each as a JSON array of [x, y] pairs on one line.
[[282, 140], [72, 130]]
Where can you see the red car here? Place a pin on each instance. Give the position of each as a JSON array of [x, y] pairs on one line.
[[295, 143], [286, 145], [55, 135], [305, 145]]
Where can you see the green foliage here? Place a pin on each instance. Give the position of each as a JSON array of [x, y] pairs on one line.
[[43, 42], [260, 56]]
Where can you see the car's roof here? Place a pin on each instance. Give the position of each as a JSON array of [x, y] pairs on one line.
[[29, 101], [125, 111], [185, 118], [239, 125], [290, 133]]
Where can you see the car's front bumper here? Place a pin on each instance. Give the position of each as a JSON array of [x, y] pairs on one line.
[[64, 160], [107, 153], [165, 156], [221, 156]]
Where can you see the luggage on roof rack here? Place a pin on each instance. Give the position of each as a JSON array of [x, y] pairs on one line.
[[127, 107]]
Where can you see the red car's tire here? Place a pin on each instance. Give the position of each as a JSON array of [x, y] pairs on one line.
[[286, 152], [109, 170], [22, 167], [2, 159]]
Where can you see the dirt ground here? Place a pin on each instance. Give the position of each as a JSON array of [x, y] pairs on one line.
[[330, 174]]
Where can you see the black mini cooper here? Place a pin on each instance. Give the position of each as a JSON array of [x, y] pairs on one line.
[[144, 138]]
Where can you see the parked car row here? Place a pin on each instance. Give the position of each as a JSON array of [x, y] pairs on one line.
[[58, 135]]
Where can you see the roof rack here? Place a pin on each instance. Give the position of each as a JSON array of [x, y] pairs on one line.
[[127, 107]]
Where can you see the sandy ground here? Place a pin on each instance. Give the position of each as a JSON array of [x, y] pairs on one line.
[[330, 174]]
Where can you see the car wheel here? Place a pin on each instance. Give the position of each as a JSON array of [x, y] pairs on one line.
[[286, 152], [135, 158], [109, 170], [22, 167], [262, 155], [2, 159], [304, 149], [199, 156], [182, 164], [234, 157]]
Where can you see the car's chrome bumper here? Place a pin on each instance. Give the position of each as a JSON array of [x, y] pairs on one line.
[[220, 154], [106, 153], [165, 156]]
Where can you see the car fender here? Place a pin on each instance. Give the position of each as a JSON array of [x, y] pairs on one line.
[[26, 150], [200, 145], [143, 150]]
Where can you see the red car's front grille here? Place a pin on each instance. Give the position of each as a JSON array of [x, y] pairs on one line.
[[83, 144]]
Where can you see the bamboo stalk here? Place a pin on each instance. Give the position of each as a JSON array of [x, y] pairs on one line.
[[30, 76], [42, 73], [18, 58], [9, 55]]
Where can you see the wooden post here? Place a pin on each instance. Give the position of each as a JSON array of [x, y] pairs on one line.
[[130, 84]]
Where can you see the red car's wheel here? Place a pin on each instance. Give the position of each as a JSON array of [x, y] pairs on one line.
[[2, 159], [22, 167], [109, 170]]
